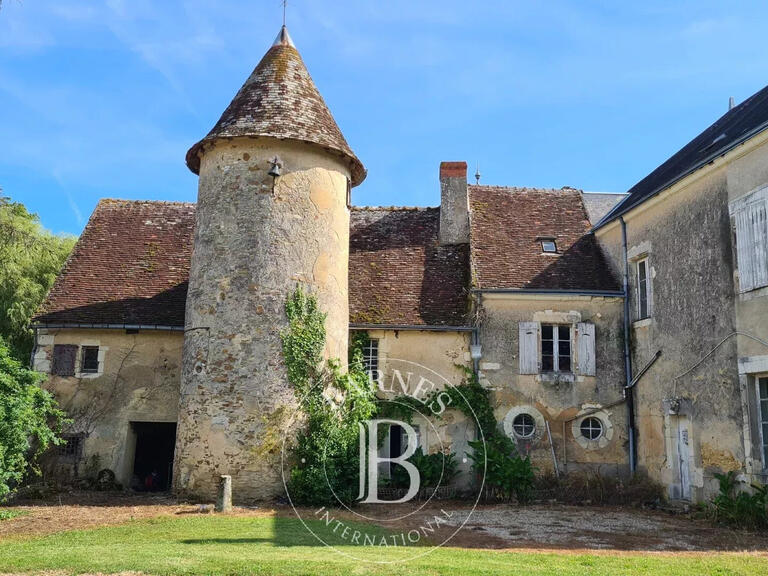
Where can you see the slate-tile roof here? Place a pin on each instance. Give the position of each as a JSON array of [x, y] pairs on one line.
[[507, 226], [280, 100], [399, 274], [734, 127], [130, 266]]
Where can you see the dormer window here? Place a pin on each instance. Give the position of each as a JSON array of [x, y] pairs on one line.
[[548, 245]]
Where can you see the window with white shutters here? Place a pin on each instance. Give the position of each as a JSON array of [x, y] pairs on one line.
[[750, 214], [585, 337], [529, 347]]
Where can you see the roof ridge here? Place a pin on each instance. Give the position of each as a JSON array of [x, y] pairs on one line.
[[134, 201], [394, 208], [526, 188]]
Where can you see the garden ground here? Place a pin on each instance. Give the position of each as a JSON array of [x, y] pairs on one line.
[[97, 533]]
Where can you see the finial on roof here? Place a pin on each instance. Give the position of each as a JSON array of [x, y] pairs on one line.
[[477, 174], [731, 103], [283, 38]]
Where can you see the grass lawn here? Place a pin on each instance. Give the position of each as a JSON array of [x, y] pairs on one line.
[[267, 545], [8, 514]]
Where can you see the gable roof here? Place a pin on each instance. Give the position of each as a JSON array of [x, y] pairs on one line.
[[399, 274], [733, 128], [507, 226], [280, 100], [598, 204], [131, 266]]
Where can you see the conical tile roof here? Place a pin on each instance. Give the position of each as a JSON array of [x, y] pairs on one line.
[[280, 100]]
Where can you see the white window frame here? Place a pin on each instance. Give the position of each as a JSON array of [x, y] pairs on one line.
[[596, 419], [556, 348], [371, 356], [647, 282], [514, 426], [762, 419]]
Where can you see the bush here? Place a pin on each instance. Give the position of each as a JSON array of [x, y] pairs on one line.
[[30, 421], [739, 508], [506, 472], [438, 468]]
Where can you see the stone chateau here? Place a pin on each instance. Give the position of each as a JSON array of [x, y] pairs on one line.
[[617, 333]]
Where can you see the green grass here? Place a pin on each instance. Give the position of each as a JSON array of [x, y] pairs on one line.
[[282, 546], [8, 514]]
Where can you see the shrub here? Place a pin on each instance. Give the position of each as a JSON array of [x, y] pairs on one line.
[[437, 468], [507, 474], [739, 508]]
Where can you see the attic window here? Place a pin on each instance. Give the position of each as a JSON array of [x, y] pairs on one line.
[[548, 245], [89, 361]]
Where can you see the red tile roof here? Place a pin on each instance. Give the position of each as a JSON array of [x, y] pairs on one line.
[[507, 225], [398, 272], [131, 266], [280, 100]]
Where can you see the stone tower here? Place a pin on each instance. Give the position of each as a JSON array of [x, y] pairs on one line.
[[258, 236]]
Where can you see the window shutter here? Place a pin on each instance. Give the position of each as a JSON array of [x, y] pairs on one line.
[[529, 347], [64, 359], [751, 218], [586, 344]]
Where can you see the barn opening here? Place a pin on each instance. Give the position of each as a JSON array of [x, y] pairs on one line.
[[153, 460]]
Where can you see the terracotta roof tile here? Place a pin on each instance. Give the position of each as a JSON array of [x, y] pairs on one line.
[[399, 274], [131, 266], [280, 100], [507, 225]]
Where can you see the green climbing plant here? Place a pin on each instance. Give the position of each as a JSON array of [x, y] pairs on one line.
[[333, 401], [494, 454]]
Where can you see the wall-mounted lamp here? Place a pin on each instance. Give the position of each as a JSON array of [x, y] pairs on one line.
[[274, 170]]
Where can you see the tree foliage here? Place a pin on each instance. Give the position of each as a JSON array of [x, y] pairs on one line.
[[30, 259], [30, 421]]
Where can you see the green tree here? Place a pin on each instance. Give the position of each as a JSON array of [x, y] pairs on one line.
[[30, 420], [30, 259]]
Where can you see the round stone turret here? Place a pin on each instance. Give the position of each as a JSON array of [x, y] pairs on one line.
[[257, 236]]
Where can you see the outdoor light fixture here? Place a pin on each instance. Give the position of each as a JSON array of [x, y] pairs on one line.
[[274, 170]]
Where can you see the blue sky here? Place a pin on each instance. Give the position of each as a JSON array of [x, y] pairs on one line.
[[102, 99]]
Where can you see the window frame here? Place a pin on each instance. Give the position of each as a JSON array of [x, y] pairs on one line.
[[762, 418], [371, 356], [551, 241], [74, 452], [83, 351], [588, 419], [646, 283], [532, 425], [556, 353]]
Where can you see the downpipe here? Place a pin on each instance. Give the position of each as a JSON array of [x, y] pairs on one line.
[[629, 392]]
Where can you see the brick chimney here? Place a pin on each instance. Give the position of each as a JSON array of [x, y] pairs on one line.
[[454, 203]]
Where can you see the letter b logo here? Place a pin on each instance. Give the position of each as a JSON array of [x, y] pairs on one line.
[[369, 451]]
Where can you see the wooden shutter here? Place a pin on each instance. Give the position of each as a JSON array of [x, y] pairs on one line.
[[529, 347], [585, 334], [64, 359], [751, 217]]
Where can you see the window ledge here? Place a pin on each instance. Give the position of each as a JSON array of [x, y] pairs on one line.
[[88, 374], [556, 377], [644, 323], [754, 293]]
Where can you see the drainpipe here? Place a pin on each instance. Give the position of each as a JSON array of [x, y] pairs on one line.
[[475, 338], [34, 349], [628, 389]]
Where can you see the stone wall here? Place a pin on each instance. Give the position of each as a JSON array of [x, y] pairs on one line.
[[686, 236], [138, 382], [561, 401], [254, 244]]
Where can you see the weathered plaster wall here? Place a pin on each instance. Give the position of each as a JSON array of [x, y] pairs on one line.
[[687, 238], [253, 246], [744, 175], [558, 402], [139, 383]]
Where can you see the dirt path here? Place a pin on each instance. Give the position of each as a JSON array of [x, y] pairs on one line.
[[550, 527]]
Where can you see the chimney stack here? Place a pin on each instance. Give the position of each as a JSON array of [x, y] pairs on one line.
[[454, 203]]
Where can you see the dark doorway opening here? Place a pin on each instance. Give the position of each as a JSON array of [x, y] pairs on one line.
[[153, 462]]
